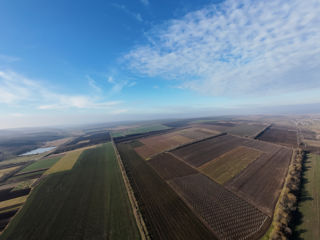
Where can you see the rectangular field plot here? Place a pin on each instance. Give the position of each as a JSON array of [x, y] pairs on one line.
[[202, 152], [230, 164], [164, 212], [261, 182], [88, 202], [168, 166], [229, 216], [280, 135], [155, 144]]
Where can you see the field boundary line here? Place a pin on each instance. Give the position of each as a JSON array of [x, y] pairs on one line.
[[133, 202]]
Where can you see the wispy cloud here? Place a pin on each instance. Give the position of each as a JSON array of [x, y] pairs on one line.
[[237, 48], [118, 84], [8, 59], [135, 15], [145, 2], [92, 83], [17, 90]]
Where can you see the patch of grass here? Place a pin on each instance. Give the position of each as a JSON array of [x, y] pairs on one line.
[[24, 185], [27, 175], [65, 163], [309, 203], [40, 164], [88, 202], [137, 130], [230, 164]]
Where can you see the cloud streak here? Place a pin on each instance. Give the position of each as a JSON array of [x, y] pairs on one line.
[[237, 48], [122, 7], [17, 90]]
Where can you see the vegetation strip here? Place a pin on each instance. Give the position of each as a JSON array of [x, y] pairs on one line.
[[287, 203], [134, 204]]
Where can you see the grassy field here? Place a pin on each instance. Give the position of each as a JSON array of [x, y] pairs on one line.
[[65, 163], [40, 164], [230, 164], [88, 202], [309, 204], [137, 130]]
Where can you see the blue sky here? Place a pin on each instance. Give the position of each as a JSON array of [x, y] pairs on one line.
[[64, 62]]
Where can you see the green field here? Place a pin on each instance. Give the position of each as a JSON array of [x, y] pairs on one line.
[[137, 130], [88, 202], [229, 164], [309, 205], [41, 164]]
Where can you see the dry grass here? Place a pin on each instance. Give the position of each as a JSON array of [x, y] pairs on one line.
[[65, 163], [57, 142], [7, 170], [230, 164], [13, 201]]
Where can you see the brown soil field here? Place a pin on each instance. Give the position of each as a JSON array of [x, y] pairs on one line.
[[165, 214], [201, 152], [261, 182], [229, 216], [230, 164], [280, 135], [168, 166], [155, 144]]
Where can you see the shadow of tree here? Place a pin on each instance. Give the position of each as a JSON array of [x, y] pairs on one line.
[[303, 196]]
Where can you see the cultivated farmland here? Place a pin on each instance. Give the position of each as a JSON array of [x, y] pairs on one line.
[[65, 163], [201, 152], [88, 202], [281, 135], [261, 182], [165, 214], [41, 164], [230, 164], [168, 166], [229, 216], [156, 144]]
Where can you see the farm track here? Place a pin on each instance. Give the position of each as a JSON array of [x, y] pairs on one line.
[[166, 214], [134, 204]]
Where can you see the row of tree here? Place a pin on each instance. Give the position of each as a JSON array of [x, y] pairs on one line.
[[287, 203]]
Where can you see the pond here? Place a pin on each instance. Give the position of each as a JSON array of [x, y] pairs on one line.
[[38, 151]]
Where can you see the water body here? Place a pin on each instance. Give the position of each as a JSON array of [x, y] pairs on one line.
[[38, 151]]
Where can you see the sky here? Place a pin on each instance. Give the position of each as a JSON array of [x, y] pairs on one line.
[[73, 62]]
